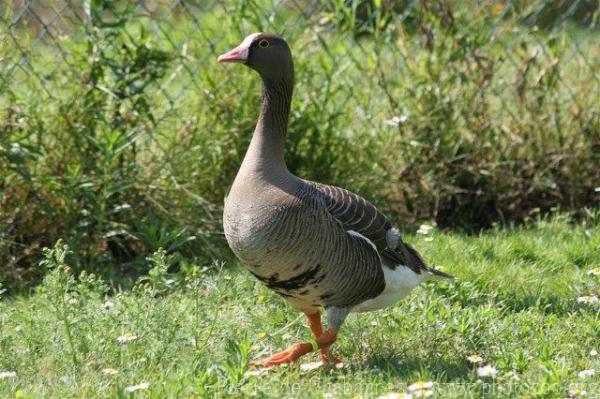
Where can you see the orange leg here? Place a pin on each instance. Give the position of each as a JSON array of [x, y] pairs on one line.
[[294, 352], [314, 322]]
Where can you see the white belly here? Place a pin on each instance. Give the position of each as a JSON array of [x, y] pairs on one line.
[[398, 284]]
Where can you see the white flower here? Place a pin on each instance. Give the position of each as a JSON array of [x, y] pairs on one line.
[[421, 389], [419, 386], [257, 372], [475, 359], [487, 371], [594, 272], [586, 373], [138, 387], [396, 120], [311, 366], [576, 393], [7, 374], [424, 229], [593, 352], [428, 239], [109, 371], [597, 189], [127, 337], [396, 395], [588, 299], [107, 305], [423, 393]]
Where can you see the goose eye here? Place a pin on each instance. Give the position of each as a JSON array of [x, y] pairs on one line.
[[263, 43]]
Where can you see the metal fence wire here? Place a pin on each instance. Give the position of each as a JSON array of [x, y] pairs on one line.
[[144, 74], [38, 37]]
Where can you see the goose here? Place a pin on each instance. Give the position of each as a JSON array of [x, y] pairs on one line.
[[318, 246]]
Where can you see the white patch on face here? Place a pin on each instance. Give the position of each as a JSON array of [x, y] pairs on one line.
[[244, 47], [249, 39]]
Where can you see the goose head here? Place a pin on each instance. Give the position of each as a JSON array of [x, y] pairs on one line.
[[266, 53]]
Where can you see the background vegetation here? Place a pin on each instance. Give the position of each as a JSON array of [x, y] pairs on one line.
[[120, 134]]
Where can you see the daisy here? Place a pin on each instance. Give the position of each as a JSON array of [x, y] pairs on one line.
[[594, 272], [474, 359], [420, 385], [424, 229], [487, 371], [576, 393], [396, 395], [109, 371], [127, 337], [586, 373], [139, 387], [7, 374], [396, 120], [311, 366], [421, 389], [257, 372], [588, 299]]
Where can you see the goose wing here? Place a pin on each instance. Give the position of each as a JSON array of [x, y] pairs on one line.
[[359, 215]]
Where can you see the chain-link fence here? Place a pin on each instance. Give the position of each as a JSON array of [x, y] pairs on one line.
[[119, 129], [37, 36]]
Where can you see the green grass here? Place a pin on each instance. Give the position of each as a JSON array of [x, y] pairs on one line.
[[514, 303]]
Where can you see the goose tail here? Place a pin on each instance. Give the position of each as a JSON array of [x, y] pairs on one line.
[[436, 274]]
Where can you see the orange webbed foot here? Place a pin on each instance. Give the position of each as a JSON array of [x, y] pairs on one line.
[[322, 341], [288, 356]]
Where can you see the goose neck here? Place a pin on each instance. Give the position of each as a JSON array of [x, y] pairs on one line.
[[266, 150]]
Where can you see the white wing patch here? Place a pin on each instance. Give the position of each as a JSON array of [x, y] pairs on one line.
[[399, 282]]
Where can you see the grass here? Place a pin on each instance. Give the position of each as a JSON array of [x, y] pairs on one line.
[[513, 303]]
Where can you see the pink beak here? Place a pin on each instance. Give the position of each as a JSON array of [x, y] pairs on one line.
[[238, 54]]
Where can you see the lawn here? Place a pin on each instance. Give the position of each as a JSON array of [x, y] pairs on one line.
[[522, 302]]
